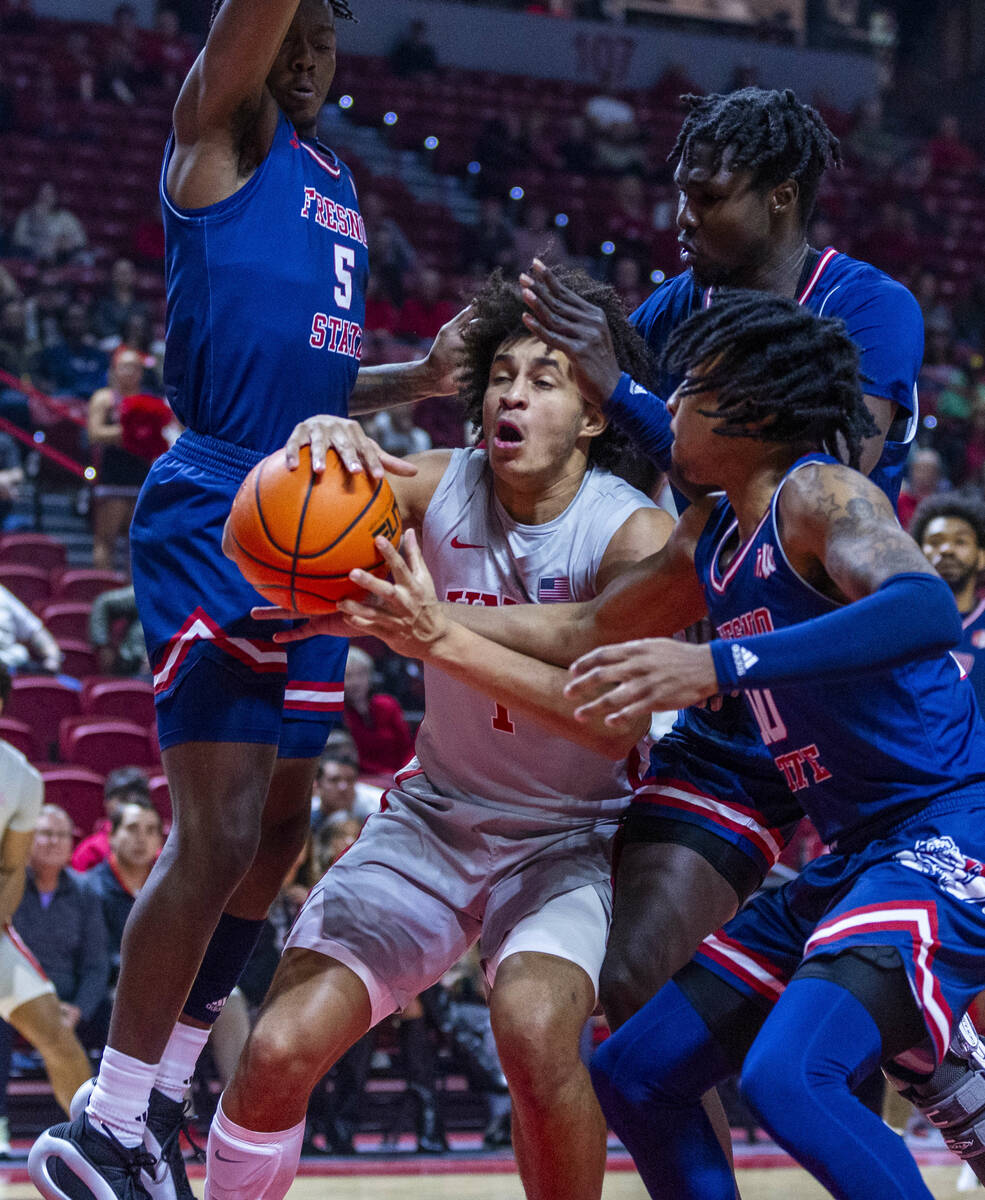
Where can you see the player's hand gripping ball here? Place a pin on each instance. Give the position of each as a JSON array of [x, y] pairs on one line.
[[296, 535]]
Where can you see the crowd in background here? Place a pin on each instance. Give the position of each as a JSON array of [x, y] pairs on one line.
[[80, 327]]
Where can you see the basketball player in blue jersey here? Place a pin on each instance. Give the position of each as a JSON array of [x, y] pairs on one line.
[[266, 269], [950, 530], [711, 817], [836, 630]]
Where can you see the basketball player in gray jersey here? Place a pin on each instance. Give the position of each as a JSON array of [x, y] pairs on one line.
[[500, 830]]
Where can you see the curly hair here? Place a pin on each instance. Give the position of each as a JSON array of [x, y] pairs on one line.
[[961, 508], [497, 318], [781, 373], [770, 133]]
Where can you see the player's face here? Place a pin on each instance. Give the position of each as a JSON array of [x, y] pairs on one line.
[[951, 548], [723, 221], [305, 66], [533, 415], [697, 452]]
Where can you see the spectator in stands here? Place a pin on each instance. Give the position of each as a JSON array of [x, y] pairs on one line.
[[136, 837], [48, 232], [537, 236], [167, 53], [122, 69], [871, 143], [375, 720], [61, 921], [44, 309], [630, 282], [969, 316], [425, 308], [11, 477], [337, 794], [413, 55], [395, 431], [74, 365], [119, 302], [19, 356], [121, 473], [30, 1004], [947, 150], [124, 785], [25, 645], [393, 255], [950, 530], [381, 313], [76, 69], [618, 143], [489, 243], [125, 655], [924, 478], [578, 150]]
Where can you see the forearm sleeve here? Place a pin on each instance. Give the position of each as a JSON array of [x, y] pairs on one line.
[[909, 617], [644, 418]]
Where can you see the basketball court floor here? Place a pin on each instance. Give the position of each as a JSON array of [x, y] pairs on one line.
[[493, 1177]]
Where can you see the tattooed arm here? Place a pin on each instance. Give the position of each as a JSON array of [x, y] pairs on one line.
[[840, 533]]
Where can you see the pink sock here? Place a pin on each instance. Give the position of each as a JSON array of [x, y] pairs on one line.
[[242, 1162]]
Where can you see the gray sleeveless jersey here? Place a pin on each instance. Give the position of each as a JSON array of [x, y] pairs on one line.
[[468, 745]]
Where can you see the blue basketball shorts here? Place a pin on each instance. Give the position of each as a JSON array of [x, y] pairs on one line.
[[218, 674], [919, 887], [738, 815]]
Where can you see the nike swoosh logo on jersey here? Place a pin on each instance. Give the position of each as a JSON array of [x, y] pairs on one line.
[[222, 1158], [457, 545]]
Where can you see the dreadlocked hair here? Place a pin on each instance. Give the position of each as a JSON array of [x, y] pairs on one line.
[[340, 7], [497, 318], [781, 374], [962, 508], [769, 133]]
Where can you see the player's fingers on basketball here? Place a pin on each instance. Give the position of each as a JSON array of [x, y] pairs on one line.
[[400, 571], [272, 613], [300, 436], [346, 443], [381, 588], [412, 552]]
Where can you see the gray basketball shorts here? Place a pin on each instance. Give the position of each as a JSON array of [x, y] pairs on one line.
[[430, 875]]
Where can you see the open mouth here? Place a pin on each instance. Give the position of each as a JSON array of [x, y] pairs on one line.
[[507, 433]]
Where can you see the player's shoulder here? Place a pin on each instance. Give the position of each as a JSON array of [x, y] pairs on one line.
[[672, 301], [848, 282], [823, 490]]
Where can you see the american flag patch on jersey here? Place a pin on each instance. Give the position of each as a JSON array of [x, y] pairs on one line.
[[554, 589]]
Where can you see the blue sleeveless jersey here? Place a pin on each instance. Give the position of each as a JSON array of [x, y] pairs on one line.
[[885, 322], [862, 756], [266, 298]]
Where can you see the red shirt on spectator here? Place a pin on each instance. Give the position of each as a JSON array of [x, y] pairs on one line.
[[420, 319], [383, 738], [91, 851]]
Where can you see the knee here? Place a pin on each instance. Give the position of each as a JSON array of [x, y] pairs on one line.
[[276, 1059], [769, 1086], [538, 1050], [632, 974]]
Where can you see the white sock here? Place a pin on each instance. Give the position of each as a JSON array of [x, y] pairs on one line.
[[180, 1056], [242, 1162], [119, 1099]]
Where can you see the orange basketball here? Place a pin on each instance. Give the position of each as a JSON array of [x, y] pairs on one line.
[[296, 535]]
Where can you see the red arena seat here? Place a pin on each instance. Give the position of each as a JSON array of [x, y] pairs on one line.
[[32, 550], [78, 658], [20, 735], [124, 699], [79, 791], [42, 703], [29, 584], [85, 583], [66, 619], [102, 745]]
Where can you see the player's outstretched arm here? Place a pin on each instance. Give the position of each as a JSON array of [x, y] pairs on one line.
[[405, 613], [391, 384]]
